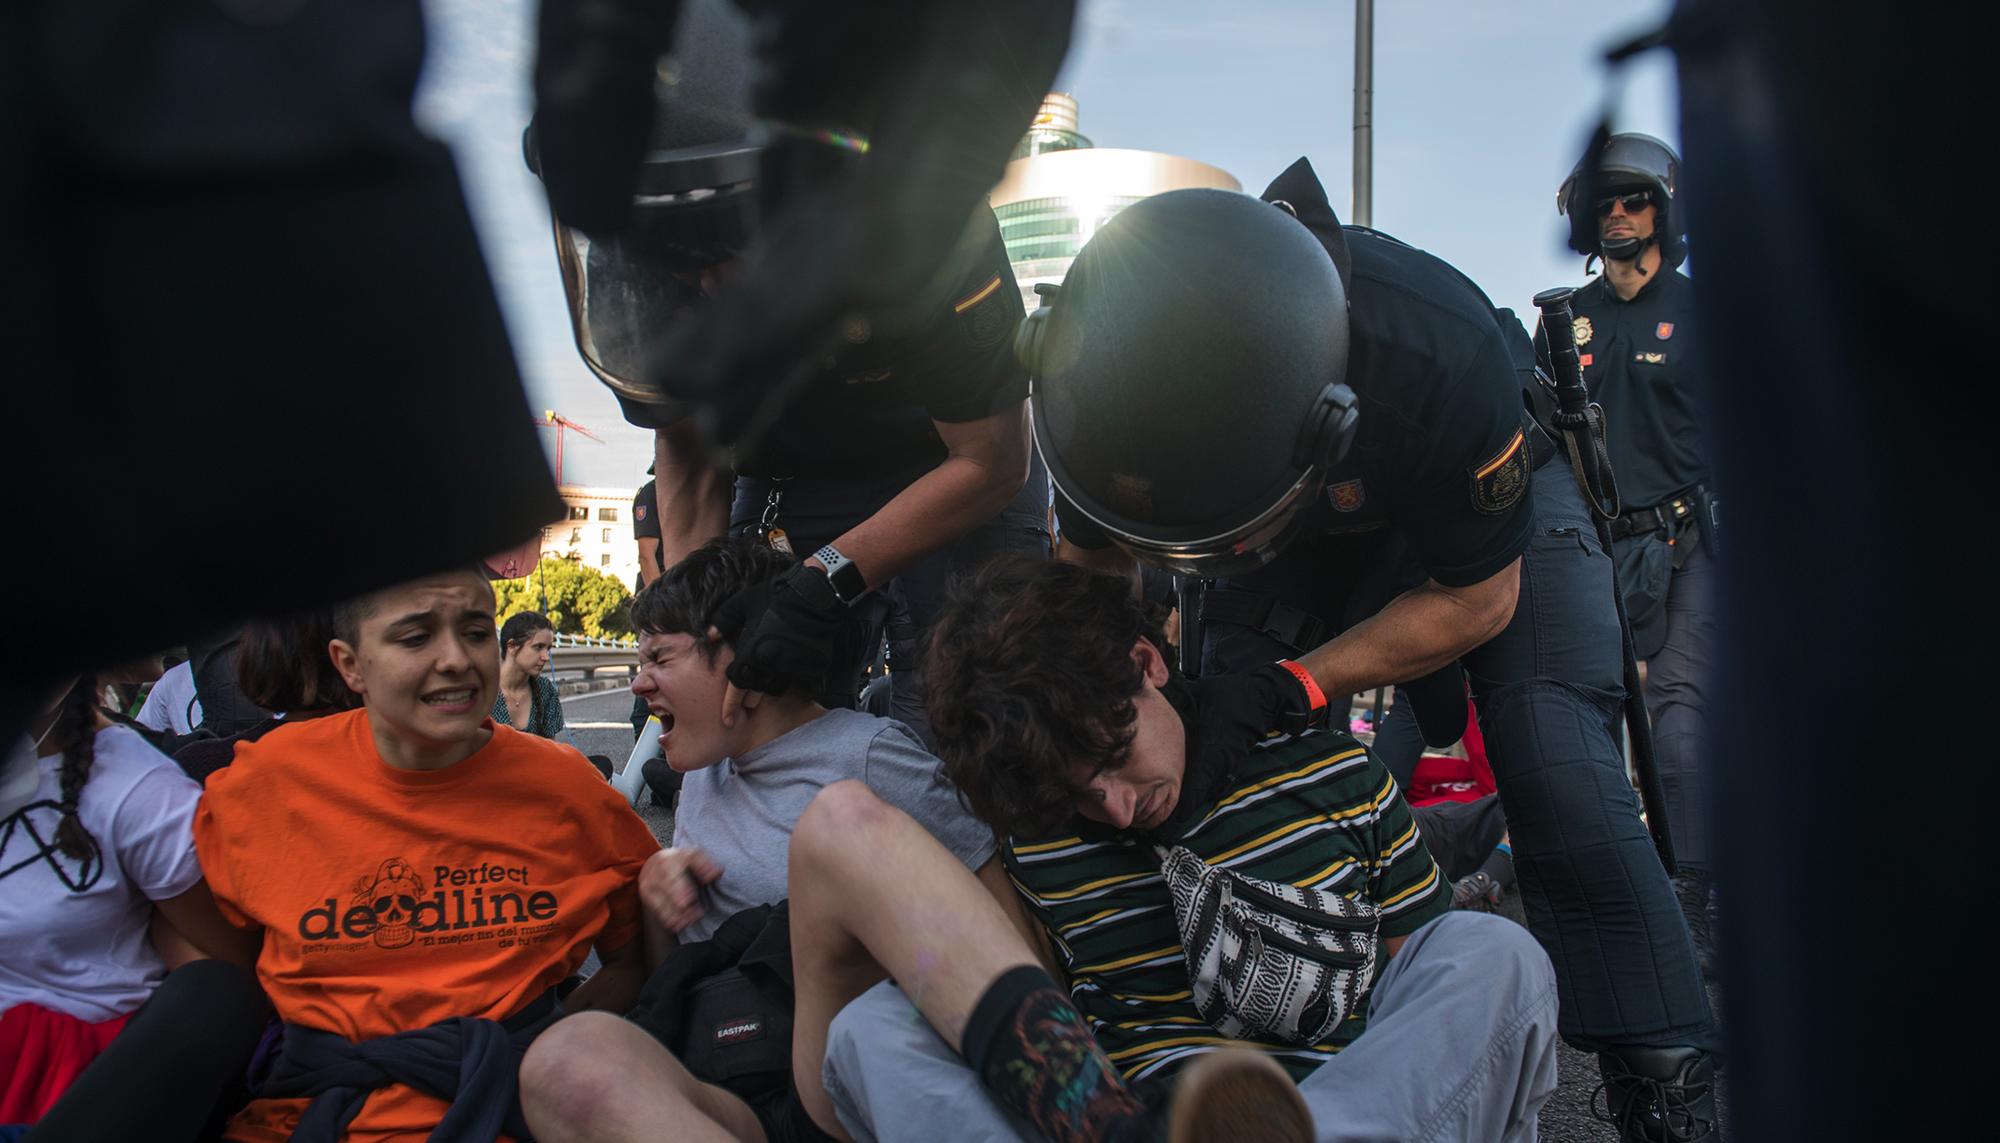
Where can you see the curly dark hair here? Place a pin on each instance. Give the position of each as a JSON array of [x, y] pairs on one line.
[[1030, 680]]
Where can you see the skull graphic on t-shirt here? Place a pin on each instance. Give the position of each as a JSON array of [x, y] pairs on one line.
[[392, 897]]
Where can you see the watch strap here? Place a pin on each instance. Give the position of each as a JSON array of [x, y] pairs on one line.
[[841, 572]]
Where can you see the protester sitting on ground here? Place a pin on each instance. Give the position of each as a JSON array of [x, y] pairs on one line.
[[1469, 998], [171, 704], [528, 700], [281, 666], [422, 881], [1068, 731], [599, 1078], [105, 1034]]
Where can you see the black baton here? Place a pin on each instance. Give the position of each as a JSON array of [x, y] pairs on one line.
[[1582, 425]]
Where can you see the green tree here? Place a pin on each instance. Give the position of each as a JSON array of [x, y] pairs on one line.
[[578, 600]]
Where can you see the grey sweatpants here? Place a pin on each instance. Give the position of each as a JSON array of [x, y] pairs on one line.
[[1460, 1045]]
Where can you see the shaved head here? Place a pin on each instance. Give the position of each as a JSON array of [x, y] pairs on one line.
[[349, 616]]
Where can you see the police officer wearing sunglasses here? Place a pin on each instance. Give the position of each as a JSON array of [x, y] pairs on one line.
[[1635, 338], [903, 454], [1329, 426]]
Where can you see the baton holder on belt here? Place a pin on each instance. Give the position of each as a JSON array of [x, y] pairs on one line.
[[1188, 593], [1582, 425]]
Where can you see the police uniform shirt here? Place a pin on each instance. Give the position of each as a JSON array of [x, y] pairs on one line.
[[1639, 363], [870, 410], [646, 520], [1441, 443], [645, 514], [1440, 455]]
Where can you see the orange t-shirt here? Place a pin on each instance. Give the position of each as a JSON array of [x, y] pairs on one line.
[[392, 899]]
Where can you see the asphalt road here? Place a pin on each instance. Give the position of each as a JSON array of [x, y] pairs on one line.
[[602, 725]]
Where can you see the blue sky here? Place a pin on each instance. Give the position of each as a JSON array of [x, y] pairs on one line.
[[1480, 108]]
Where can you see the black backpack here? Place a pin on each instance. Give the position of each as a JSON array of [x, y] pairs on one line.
[[723, 1006]]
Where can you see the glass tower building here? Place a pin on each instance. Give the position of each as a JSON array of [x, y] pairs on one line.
[[1059, 189]]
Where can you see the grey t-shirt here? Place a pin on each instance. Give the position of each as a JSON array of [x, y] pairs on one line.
[[741, 811]]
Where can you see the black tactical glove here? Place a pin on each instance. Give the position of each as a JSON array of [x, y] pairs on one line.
[[1226, 715], [784, 631], [1264, 700]]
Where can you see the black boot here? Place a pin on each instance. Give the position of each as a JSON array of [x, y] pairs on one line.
[[664, 781], [1657, 1095], [1693, 890]]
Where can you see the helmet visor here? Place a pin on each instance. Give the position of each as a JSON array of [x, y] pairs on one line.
[[1237, 551], [621, 303], [695, 208]]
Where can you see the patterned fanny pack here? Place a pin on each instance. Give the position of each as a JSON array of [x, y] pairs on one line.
[[1266, 960]]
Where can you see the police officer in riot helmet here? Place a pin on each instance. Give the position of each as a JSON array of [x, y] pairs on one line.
[[1329, 425], [1635, 337], [900, 453], [1634, 172]]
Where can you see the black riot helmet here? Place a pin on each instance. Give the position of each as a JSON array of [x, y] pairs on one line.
[[1626, 163], [693, 207], [1188, 393]]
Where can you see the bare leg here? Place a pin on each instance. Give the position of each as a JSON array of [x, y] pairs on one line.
[[598, 1078], [874, 895]]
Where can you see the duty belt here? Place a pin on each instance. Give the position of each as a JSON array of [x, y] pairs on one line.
[[1665, 517]]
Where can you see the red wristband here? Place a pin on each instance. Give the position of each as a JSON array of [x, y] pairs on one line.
[[1315, 697]]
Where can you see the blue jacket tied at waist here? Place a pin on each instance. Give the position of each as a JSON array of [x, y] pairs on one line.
[[472, 1064]]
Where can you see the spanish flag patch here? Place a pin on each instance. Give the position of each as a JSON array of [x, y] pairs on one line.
[[975, 297], [1499, 482]]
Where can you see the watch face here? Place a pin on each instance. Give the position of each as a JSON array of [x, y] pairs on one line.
[[847, 582]]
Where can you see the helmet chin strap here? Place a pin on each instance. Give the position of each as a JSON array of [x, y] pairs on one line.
[[1628, 250]]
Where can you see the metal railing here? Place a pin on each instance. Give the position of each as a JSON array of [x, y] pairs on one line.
[[591, 654], [596, 641]]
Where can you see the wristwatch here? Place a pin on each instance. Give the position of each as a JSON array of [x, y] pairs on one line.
[[841, 572]]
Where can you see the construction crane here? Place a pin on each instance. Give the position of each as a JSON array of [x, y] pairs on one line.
[[561, 424]]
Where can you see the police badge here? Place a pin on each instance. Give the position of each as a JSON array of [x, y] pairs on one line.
[[1581, 329]]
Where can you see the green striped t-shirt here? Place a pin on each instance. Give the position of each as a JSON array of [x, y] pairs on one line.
[[1316, 811]]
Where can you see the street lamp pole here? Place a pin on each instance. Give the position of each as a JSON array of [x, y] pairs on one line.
[[1364, 112]]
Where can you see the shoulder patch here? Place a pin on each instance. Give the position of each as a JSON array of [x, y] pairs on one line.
[[977, 296], [1499, 482], [1664, 330], [984, 315], [1347, 496]]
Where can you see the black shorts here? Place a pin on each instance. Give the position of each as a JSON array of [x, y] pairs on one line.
[[784, 1118]]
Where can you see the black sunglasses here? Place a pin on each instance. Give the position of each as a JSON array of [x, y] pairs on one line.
[[1632, 201]]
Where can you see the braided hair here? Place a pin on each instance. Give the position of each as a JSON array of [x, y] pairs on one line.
[[77, 724]]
